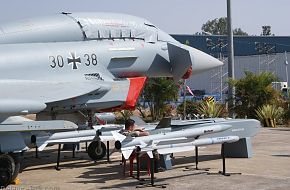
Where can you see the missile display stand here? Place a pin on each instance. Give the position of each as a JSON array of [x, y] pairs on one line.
[[223, 172], [58, 158], [108, 151], [196, 164], [152, 168]]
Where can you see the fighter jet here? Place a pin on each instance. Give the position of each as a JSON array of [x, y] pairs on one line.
[[67, 66]]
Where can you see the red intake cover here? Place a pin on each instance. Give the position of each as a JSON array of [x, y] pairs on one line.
[[187, 73], [136, 86]]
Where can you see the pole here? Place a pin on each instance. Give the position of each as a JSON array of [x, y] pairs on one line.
[[231, 65], [287, 80]]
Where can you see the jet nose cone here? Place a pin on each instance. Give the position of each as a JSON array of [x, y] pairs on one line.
[[202, 61]]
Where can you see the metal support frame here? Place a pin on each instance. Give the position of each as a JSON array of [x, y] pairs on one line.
[[223, 172], [152, 168], [196, 158], [36, 152], [138, 149], [74, 151], [224, 162], [152, 171], [196, 163], [58, 158], [108, 151]]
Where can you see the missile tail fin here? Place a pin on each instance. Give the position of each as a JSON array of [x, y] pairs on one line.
[[164, 123], [127, 153], [118, 137]]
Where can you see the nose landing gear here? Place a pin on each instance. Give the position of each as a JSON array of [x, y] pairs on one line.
[[97, 150]]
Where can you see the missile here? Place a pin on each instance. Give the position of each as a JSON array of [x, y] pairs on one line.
[[65, 137], [127, 144], [187, 146]]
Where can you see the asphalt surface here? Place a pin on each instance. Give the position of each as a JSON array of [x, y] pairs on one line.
[[269, 168]]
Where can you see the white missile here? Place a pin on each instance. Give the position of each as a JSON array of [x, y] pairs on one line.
[[127, 144], [66, 137], [187, 146]]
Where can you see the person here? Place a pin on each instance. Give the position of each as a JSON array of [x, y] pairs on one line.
[[132, 130]]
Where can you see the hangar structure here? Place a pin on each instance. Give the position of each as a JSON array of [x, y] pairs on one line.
[[251, 53]]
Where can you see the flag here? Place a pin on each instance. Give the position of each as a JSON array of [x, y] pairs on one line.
[[189, 90]]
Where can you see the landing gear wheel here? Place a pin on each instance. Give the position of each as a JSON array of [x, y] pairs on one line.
[[96, 151], [7, 167], [17, 160], [16, 171]]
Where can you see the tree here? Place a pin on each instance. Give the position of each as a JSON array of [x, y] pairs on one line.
[[266, 31], [253, 91], [218, 26], [239, 32], [157, 92]]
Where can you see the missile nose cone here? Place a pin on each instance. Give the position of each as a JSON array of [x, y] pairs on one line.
[[235, 138], [202, 61]]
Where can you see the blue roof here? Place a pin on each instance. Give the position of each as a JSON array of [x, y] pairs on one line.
[[243, 45]]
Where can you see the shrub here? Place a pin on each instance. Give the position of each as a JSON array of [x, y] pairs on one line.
[[252, 92], [210, 109], [269, 115]]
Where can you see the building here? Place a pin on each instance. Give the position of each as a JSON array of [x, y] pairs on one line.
[[251, 53]]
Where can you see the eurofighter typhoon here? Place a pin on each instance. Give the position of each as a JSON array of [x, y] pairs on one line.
[[67, 66]]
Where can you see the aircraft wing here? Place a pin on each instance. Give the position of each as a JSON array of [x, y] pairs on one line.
[[29, 96]]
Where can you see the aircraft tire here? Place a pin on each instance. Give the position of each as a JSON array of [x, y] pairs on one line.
[[17, 160], [7, 167], [93, 151], [16, 171]]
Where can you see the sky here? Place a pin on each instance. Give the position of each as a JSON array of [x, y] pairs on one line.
[[172, 16]]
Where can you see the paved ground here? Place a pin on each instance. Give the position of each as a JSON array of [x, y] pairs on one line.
[[268, 169]]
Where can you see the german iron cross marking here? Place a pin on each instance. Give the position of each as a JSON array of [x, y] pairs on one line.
[[74, 60]]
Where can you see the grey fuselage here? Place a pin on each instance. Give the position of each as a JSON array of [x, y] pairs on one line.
[[80, 61]]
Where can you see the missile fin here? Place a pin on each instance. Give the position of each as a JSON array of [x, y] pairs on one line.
[[150, 154], [118, 137], [41, 148], [127, 153]]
